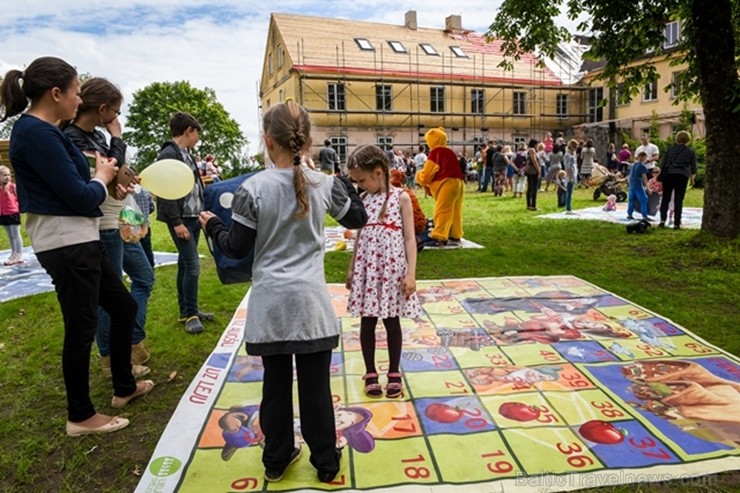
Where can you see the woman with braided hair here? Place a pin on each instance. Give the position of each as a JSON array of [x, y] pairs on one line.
[[280, 214]]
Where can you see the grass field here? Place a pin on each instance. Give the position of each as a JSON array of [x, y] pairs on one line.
[[683, 275]]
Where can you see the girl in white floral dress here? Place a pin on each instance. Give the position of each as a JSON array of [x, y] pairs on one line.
[[382, 273]]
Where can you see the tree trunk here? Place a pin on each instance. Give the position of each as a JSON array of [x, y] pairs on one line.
[[714, 47]]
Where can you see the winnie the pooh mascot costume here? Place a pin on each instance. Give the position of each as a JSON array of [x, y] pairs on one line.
[[443, 178]]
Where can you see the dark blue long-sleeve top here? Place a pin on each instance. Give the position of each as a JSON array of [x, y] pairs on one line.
[[52, 174]]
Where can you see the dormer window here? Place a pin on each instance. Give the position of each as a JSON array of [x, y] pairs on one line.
[[429, 49], [459, 53], [364, 44], [397, 46]]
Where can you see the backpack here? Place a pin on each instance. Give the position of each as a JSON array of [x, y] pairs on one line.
[[639, 227], [520, 160], [229, 270]]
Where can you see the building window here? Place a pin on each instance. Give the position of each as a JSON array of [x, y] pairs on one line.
[[672, 34], [364, 44], [437, 99], [520, 103], [429, 49], [561, 105], [281, 95], [477, 101], [397, 46], [676, 84], [268, 104], [280, 53], [383, 98], [621, 96], [519, 139], [385, 142], [595, 108], [459, 53], [650, 93], [340, 146], [269, 64], [335, 97]]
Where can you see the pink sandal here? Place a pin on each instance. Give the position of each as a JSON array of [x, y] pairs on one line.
[[372, 387], [395, 386]]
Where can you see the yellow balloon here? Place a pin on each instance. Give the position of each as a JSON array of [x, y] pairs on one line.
[[340, 245], [169, 178]]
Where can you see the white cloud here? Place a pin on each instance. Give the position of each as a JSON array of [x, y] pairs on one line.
[[215, 44]]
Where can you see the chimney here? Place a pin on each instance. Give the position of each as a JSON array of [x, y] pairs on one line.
[[453, 23], [410, 20]]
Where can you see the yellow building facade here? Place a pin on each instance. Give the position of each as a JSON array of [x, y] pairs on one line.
[[370, 83], [656, 101]]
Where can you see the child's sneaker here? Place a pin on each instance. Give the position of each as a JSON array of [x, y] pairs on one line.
[[203, 316], [193, 325], [275, 475], [328, 476]]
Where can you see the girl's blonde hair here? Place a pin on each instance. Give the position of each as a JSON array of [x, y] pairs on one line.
[[290, 128], [368, 157]]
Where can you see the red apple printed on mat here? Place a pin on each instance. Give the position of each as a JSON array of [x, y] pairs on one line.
[[518, 411], [601, 432], [442, 413]]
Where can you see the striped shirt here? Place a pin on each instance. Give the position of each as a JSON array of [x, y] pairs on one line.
[[679, 159]]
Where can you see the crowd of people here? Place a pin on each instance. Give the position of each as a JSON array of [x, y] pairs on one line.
[[567, 165], [72, 214]]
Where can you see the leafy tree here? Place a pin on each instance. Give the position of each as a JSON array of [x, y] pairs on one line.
[[149, 116], [623, 31]]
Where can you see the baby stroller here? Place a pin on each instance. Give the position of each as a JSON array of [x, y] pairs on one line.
[[607, 183]]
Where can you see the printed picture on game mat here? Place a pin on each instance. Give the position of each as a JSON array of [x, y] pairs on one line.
[[510, 384]]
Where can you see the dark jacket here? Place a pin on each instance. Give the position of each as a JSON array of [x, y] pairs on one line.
[[96, 141], [679, 159], [171, 211], [52, 174]]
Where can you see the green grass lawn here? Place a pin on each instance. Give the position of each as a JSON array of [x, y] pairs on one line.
[[683, 275]]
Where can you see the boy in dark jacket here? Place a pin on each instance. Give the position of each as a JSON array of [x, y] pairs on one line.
[[181, 217]]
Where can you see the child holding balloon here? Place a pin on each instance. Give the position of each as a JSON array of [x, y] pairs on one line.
[[181, 217], [279, 213]]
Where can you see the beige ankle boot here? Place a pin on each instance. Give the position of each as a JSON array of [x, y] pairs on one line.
[[139, 354], [136, 370]]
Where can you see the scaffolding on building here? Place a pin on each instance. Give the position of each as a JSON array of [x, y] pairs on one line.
[[502, 119]]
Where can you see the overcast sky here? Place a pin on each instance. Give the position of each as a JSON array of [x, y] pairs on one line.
[[210, 44]]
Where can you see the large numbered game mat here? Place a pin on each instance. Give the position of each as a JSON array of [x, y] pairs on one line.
[[690, 217], [29, 278], [512, 384]]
